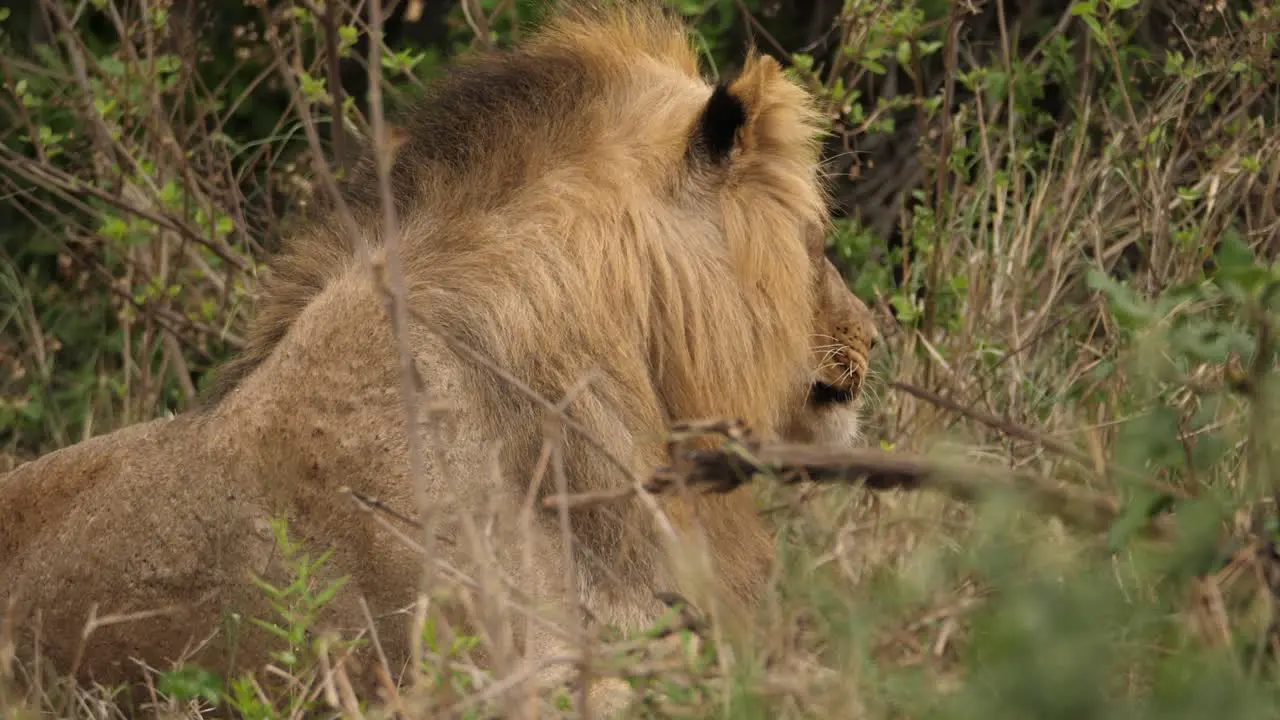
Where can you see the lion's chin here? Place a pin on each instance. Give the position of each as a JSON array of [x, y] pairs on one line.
[[830, 417], [838, 426]]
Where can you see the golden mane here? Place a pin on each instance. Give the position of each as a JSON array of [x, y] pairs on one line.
[[525, 160]]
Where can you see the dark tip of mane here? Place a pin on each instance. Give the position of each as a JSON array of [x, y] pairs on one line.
[[822, 394], [718, 127]]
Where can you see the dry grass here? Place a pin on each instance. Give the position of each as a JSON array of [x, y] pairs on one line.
[[1070, 509]]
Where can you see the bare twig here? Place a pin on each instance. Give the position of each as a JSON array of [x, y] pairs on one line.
[[1004, 426], [398, 294], [740, 459], [384, 667], [1013, 429], [335, 81], [371, 503]]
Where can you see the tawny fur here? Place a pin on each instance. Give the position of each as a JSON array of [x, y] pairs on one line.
[[551, 217]]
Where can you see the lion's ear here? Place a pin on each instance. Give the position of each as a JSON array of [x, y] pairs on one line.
[[722, 117], [730, 118]]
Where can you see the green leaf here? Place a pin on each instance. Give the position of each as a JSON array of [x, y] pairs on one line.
[[327, 594], [111, 66], [1135, 515], [103, 106], [189, 683], [168, 63], [267, 587], [288, 658], [904, 53], [171, 195], [1084, 7], [1095, 26], [113, 227], [1199, 523], [1237, 267], [271, 628], [1128, 309]]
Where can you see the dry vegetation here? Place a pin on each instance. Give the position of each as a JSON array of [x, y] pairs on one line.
[[1067, 505]]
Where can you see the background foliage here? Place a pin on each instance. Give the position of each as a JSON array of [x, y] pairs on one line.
[[1065, 216]]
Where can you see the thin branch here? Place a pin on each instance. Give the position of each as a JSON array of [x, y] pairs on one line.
[[1006, 427], [1012, 429], [398, 294], [741, 458]]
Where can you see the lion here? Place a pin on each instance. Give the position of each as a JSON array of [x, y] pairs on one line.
[[605, 227]]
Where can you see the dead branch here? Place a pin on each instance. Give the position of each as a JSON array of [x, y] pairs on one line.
[[739, 458]]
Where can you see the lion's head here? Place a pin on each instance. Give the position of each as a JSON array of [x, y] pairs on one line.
[[845, 334], [591, 196]]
